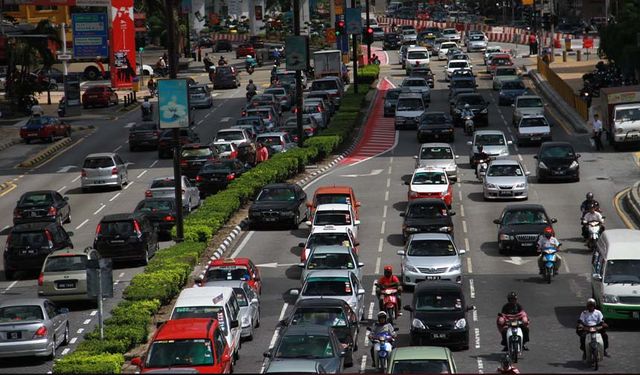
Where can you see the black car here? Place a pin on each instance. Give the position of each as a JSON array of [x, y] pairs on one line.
[[462, 85], [222, 45], [438, 315], [42, 205], [328, 312], [391, 41], [226, 78], [29, 244], [217, 174], [160, 211], [194, 155], [557, 161], [510, 90], [278, 204], [125, 237], [144, 134], [519, 227], [477, 104], [165, 141], [426, 215], [423, 72], [436, 126], [205, 41], [390, 101]]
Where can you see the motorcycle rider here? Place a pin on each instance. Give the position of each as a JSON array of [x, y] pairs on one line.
[[151, 86], [512, 309], [466, 112], [584, 206], [547, 239], [591, 215], [145, 106], [481, 155], [592, 317], [251, 89], [506, 367], [222, 61], [250, 62], [378, 327], [389, 280]]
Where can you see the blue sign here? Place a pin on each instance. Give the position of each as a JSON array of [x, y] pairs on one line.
[[173, 103], [353, 19], [90, 35]]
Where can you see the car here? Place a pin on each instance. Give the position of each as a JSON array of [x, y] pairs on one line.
[[327, 236], [263, 100], [421, 359], [231, 269], [63, 276], [336, 215], [195, 345], [193, 156], [426, 215], [409, 35], [103, 169], [144, 134], [126, 237], [256, 121], [226, 77], [331, 85], [510, 90], [453, 51], [438, 155], [402, 52], [477, 42], [161, 212], [56, 76], [416, 56], [503, 74], [450, 34], [326, 98], [215, 175], [410, 109], [438, 315], [165, 141], [477, 104], [249, 303], [239, 137], [276, 142], [99, 96], [417, 85], [378, 33], [205, 41], [252, 129], [161, 187], [29, 244], [331, 257], [443, 48], [42, 205], [222, 45], [200, 96], [462, 85], [505, 179], [269, 115], [557, 161], [391, 41], [281, 95], [390, 101], [295, 366], [280, 203], [423, 72], [226, 149], [323, 105], [463, 74], [533, 129], [430, 256], [32, 327], [44, 128], [527, 105], [334, 194], [493, 142], [289, 77], [309, 126], [490, 51], [245, 49], [435, 126], [430, 183], [458, 55], [454, 65], [316, 110], [329, 312], [498, 60], [520, 226], [307, 341], [470, 33]]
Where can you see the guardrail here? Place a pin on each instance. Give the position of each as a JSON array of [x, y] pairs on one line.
[[563, 89]]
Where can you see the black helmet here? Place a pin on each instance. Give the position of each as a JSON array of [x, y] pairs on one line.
[[506, 362], [480, 148], [512, 295], [589, 196]]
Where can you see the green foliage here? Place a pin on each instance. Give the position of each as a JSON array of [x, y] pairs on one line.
[[619, 41], [368, 73], [161, 285], [96, 346], [83, 363]]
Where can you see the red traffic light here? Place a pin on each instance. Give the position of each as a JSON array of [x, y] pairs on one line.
[[369, 31], [340, 23]]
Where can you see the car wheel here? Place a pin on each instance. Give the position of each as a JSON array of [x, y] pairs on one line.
[[295, 222], [65, 340], [52, 355], [67, 134], [68, 218]]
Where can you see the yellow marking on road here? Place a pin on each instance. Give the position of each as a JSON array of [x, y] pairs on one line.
[[636, 158], [616, 204], [63, 151], [7, 191]]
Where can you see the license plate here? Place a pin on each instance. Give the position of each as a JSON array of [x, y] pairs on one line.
[[66, 285], [16, 335], [99, 182], [32, 134], [439, 335], [526, 244], [558, 173], [28, 252], [505, 193], [636, 315], [535, 138], [436, 136], [433, 277], [270, 219], [116, 241], [33, 214]]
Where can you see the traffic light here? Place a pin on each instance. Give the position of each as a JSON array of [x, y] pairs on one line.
[[368, 36], [340, 27]]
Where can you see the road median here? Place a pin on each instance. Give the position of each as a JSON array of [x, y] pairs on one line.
[[46, 153], [631, 203]]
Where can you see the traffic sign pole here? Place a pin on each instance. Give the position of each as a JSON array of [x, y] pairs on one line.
[[366, 7], [354, 40]]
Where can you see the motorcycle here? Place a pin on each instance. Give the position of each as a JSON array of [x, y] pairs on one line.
[[250, 68], [594, 346], [147, 114], [512, 325], [469, 126], [593, 233], [390, 303], [549, 262], [382, 346], [250, 94], [481, 167]]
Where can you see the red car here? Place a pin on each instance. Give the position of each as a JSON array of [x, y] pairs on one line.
[[232, 269], [46, 128], [194, 344], [99, 96], [245, 49], [497, 60]]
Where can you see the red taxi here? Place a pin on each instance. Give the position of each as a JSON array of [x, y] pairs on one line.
[[334, 194], [232, 269]]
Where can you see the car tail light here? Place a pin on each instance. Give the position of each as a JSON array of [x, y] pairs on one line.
[[294, 110], [49, 238], [98, 231], [233, 154], [83, 173], [148, 194], [40, 279], [169, 218], [198, 178], [114, 171], [41, 332], [17, 213], [183, 162], [136, 228], [319, 109], [231, 176], [52, 211]]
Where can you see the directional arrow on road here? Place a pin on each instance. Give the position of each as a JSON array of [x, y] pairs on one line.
[[374, 172], [276, 264], [518, 261], [66, 168]]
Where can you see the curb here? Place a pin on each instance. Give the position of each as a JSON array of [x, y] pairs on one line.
[[44, 154], [11, 142], [632, 200]]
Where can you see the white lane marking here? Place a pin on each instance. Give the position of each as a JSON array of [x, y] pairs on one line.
[[520, 157], [9, 287], [102, 206], [370, 312], [153, 164], [388, 183], [117, 148], [129, 124], [87, 321], [82, 224], [384, 211], [208, 113], [284, 309], [65, 351], [73, 340], [391, 160], [464, 226], [6, 227], [93, 313], [76, 179], [121, 275], [80, 330], [377, 265], [225, 119], [462, 210], [382, 226], [363, 363], [142, 173], [373, 288], [466, 244], [129, 184], [62, 188], [114, 197], [390, 169], [242, 244], [475, 315], [566, 265], [380, 243], [480, 366], [116, 282], [200, 122], [477, 333], [472, 289], [386, 195], [460, 195], [469, 266]]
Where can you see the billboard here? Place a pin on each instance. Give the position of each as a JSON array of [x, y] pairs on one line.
[[123, 44], [90, 38], [173, 103]]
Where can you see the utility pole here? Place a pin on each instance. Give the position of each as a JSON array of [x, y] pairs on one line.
[[552, 29], [354, 40], [296, 31], [366, 7]]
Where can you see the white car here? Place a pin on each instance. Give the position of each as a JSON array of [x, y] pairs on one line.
[[505, 179], [456, 65], [226, 149], [490, 51], [409, 35], [430, 183], [325, 236], [337, 215], [438, 155], [163, 187], [333, 257], [451, 34], [416, 56], [444, 48], [533, 129], [477, 42], [471, 33]]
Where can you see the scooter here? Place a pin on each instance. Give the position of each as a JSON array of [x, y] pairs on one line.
[[250, 94], [382, 346], [469, 126], [390, 303], [481, 168], [147, 114], [594, 346], [250, 68], [549, 262], [515, 339], [593, 233]]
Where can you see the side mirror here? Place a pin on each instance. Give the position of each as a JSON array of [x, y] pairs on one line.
[[361, 292], [70, 234], [402, 214], [309, 204], [308, 223], [254, 301], [578, 156], [496, 221], [294, 292], [415, 157], [509, 142], [301, 244], [267, 354], [358, 204], [301, 265], [282, 323], [356, 243], [535, 156], [513, 105], [226, 357], [527, 173], [136, 361], [469, 143], [457, 156], [462, 251], [360, 264], [160, 323], [66, 198], [400, 252], [234, 324], [343, 353], [357, 222], [596, 277], [554, 220], [471, 308], [408, 308]]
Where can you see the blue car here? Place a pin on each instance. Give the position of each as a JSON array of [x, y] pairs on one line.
[[510, 90]]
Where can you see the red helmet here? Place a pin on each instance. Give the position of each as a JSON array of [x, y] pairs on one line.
[[548, 230], [388, 268]]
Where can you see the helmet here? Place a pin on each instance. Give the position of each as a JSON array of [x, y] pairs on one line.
[[388, 271], [249, 57], [388, 268], [589, 196], [548, 232], [250, 81], [506, 362], [512, 295], [382, 314], [480, 148], [466, 106], [591, 302]]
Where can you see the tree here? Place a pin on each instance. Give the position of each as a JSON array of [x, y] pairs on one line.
[[619, 40]]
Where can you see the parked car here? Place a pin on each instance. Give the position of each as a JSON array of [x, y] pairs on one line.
[[45, 128], [557, 161], [421, 359], [430, 183], [42, 205], [32, 327], [216, 175], [279, 203], [505, 179], [222, 45], [431, 256], [533, 129], [161, 187], [103, 169], [161, 212], [64, 275], [126, 237], [200, 96], [29, 244], [165, 141], [520, 226], [99, 96], [144, 134], [436, 126], [426, 215], [194, 155]]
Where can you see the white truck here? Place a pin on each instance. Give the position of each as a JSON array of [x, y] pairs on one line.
[[619, 109], [327, 63]]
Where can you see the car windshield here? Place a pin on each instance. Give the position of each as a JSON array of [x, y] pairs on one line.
[[506, 72], [324, 316], [426, 210], [435, 118], [38, 121], [332, 198], [415, 55], [277, 91], [504, 171], [458, 64], [463, 84], [392, 95], [529, 103], [311, 109], [328, 261], [230, 136], [28, 239], [327, 286], [187, 312], [429, 178], [305, 346], [276, 194], [328, 239], [424, 366], [270, 140], [448, 32], [523, 217], [66, 263], [631, 114], [144, 126], [438, 302], [558, 152], [409, 104], [471, 100], [152, 205], [248, 121], [490, 140], [414, 83], [196, 152], [228, 273], [20, 313], [448, 45], [197, 90], [391, 37], [533, 122], [431, 248], [436, 153], [513, 85], [622, 271], [218, 165], [111, 228], [324, 85], [36, 199], [475, 38], [332, 218], [172, 353], [409, 32], [162, 183], [93, 163]]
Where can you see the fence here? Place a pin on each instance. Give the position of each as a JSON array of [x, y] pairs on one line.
[[563, 89]]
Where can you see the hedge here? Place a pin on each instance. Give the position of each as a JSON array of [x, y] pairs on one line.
[[169, 269], [368, 73]]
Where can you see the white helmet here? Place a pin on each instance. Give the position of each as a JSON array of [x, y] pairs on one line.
[[249, 57]]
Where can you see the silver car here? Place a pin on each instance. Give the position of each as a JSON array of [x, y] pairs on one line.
[[164, 187], [200, 96], [438, 155], [103, 169], [334, 257], [277, 141], [314, 109], [249, 302], [505, 179], [430, 256], [32, 327], [295, 366], [476, 42], [494, 143]]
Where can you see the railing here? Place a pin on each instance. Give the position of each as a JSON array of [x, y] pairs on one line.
[[564, 90]]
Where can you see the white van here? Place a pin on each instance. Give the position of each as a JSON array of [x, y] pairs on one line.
[[615, 277], [212, 302]]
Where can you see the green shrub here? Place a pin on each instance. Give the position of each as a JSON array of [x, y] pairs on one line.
[[83, 363], [132, 334], [325, 144], [368, 73], [161, 285], [97, 346]]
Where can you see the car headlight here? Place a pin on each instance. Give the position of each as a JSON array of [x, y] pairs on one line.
[[505, 237], [520, 185], [491, 186], [461, 324], [446, 229], [610, 298], [411, 229], [457, 267], [417, 323], [542, 165], [619, 130], [246, 321], [574, 164], [504, 152], [411, 268], [484, 111]]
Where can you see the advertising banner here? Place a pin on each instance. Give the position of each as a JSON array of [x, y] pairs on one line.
[[90, 33], [354, 21], [123, 44], [173, 103], [296, 47]]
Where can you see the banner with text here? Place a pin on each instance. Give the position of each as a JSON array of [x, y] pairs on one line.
[[123, 44]]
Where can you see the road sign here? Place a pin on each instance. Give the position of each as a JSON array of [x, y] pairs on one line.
[[90, 34], [354, 21], [330, 35], [296, 47], [64, 57]]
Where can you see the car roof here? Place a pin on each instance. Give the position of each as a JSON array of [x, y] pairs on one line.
[[328, 229], [436, 144], [421, 352], [524, 206], [331, 249], [504, 162], [192, 328], [229, 261], [410, 95], [623, 243], [426, 201], [321, 302], [333, 189], [431, 236], [428, 169], [458, 61], [101, 155], [329, 273], [18, 301], [333, 207], [306, 329], [488, 132], [437, 285], [198, 85]]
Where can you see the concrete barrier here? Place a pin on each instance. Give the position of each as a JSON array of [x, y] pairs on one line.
[[44, 154]]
